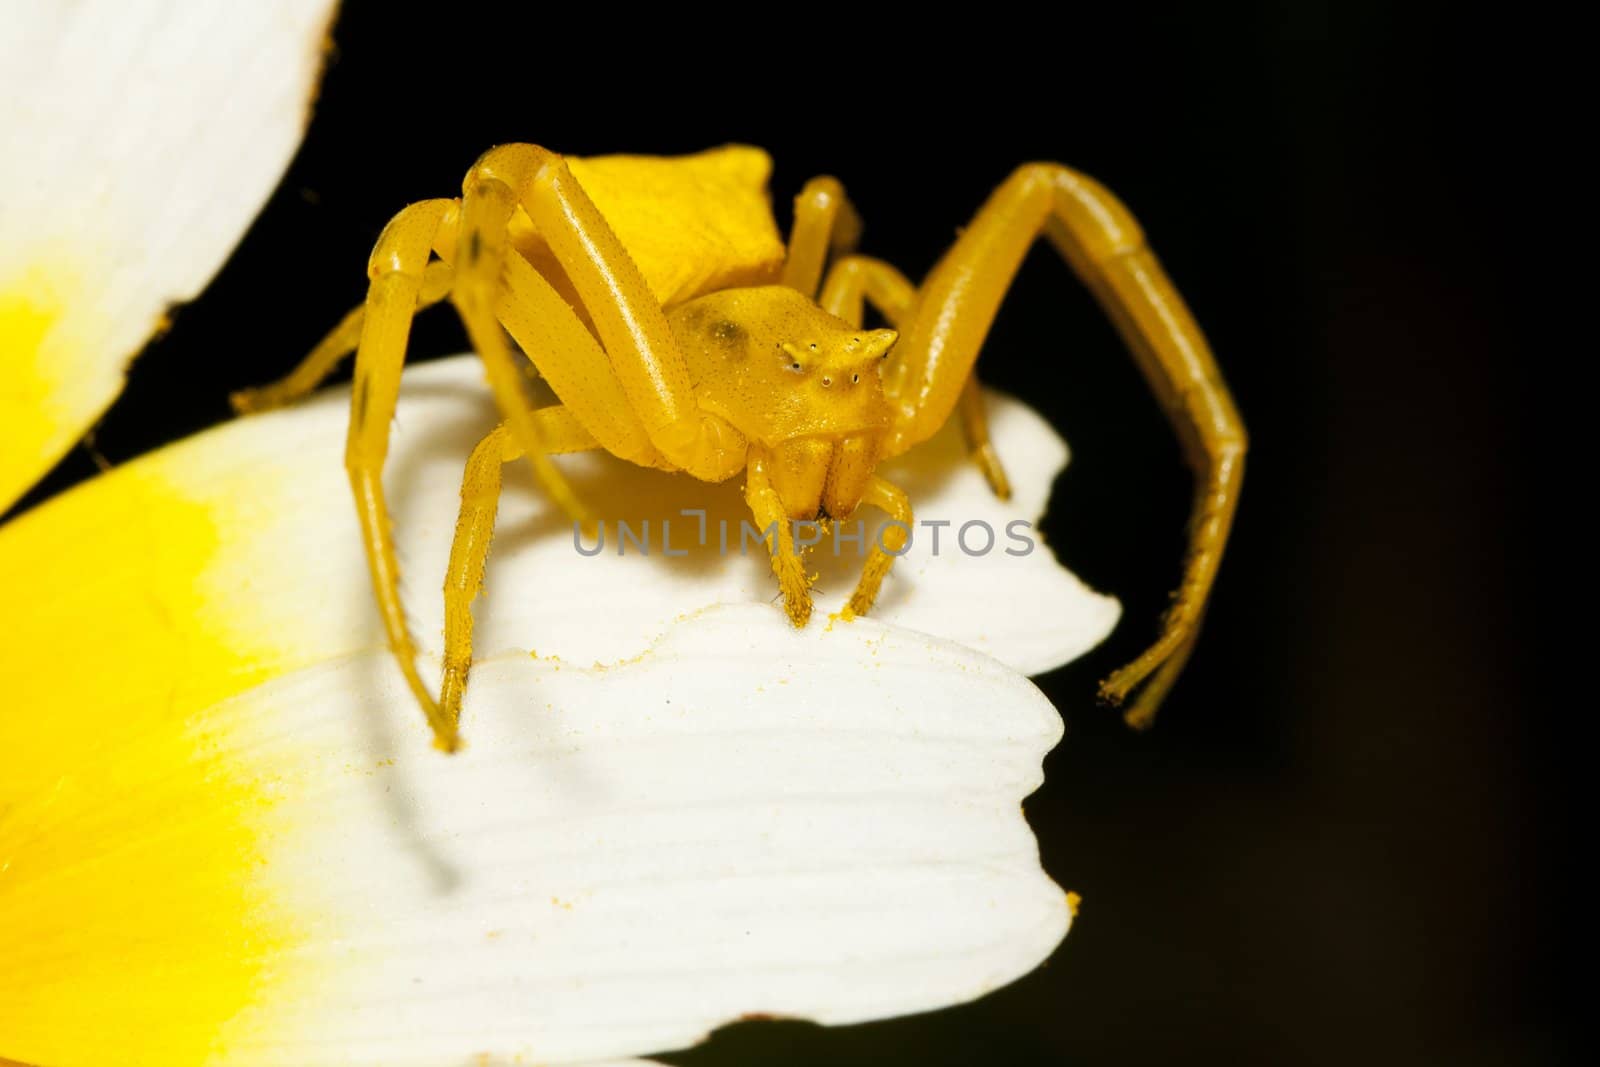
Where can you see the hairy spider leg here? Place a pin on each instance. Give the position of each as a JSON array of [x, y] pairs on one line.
[[332, 350], [770, 514], [642, 352], [824, 222], [629, 392], [559, 431], [629, 322], [889, 545], [395, 272], [1105, 247], [480, 246], [975, 427], [855, 278], [572, 362], [540, 321], [595, 413]]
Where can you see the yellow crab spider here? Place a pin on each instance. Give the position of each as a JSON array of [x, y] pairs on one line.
[[745, 367]]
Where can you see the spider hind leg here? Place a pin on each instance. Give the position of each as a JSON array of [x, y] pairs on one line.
[[332, 350]]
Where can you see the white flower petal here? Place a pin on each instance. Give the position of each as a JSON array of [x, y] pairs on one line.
[[744, 820], [741, 821], [845, 795], [139, 139]]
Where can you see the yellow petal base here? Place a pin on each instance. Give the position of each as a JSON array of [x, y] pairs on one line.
[[127, 849]]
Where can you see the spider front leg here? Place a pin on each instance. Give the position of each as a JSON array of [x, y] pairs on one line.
[[855, 280], [646, 368], [469, 551], [396, 272], [486, 208], [1106, 249]]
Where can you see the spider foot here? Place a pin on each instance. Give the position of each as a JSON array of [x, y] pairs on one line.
[[262, 398], [1155, 671]]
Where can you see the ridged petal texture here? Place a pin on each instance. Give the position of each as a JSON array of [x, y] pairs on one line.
[[225, 839]]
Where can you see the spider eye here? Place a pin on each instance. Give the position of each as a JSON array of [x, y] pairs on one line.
[[793, 354]]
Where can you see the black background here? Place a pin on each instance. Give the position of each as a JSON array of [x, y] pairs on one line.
[[1340, 842]]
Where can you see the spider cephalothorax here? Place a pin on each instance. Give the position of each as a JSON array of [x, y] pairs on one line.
[[795, 381], [677, 331]]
